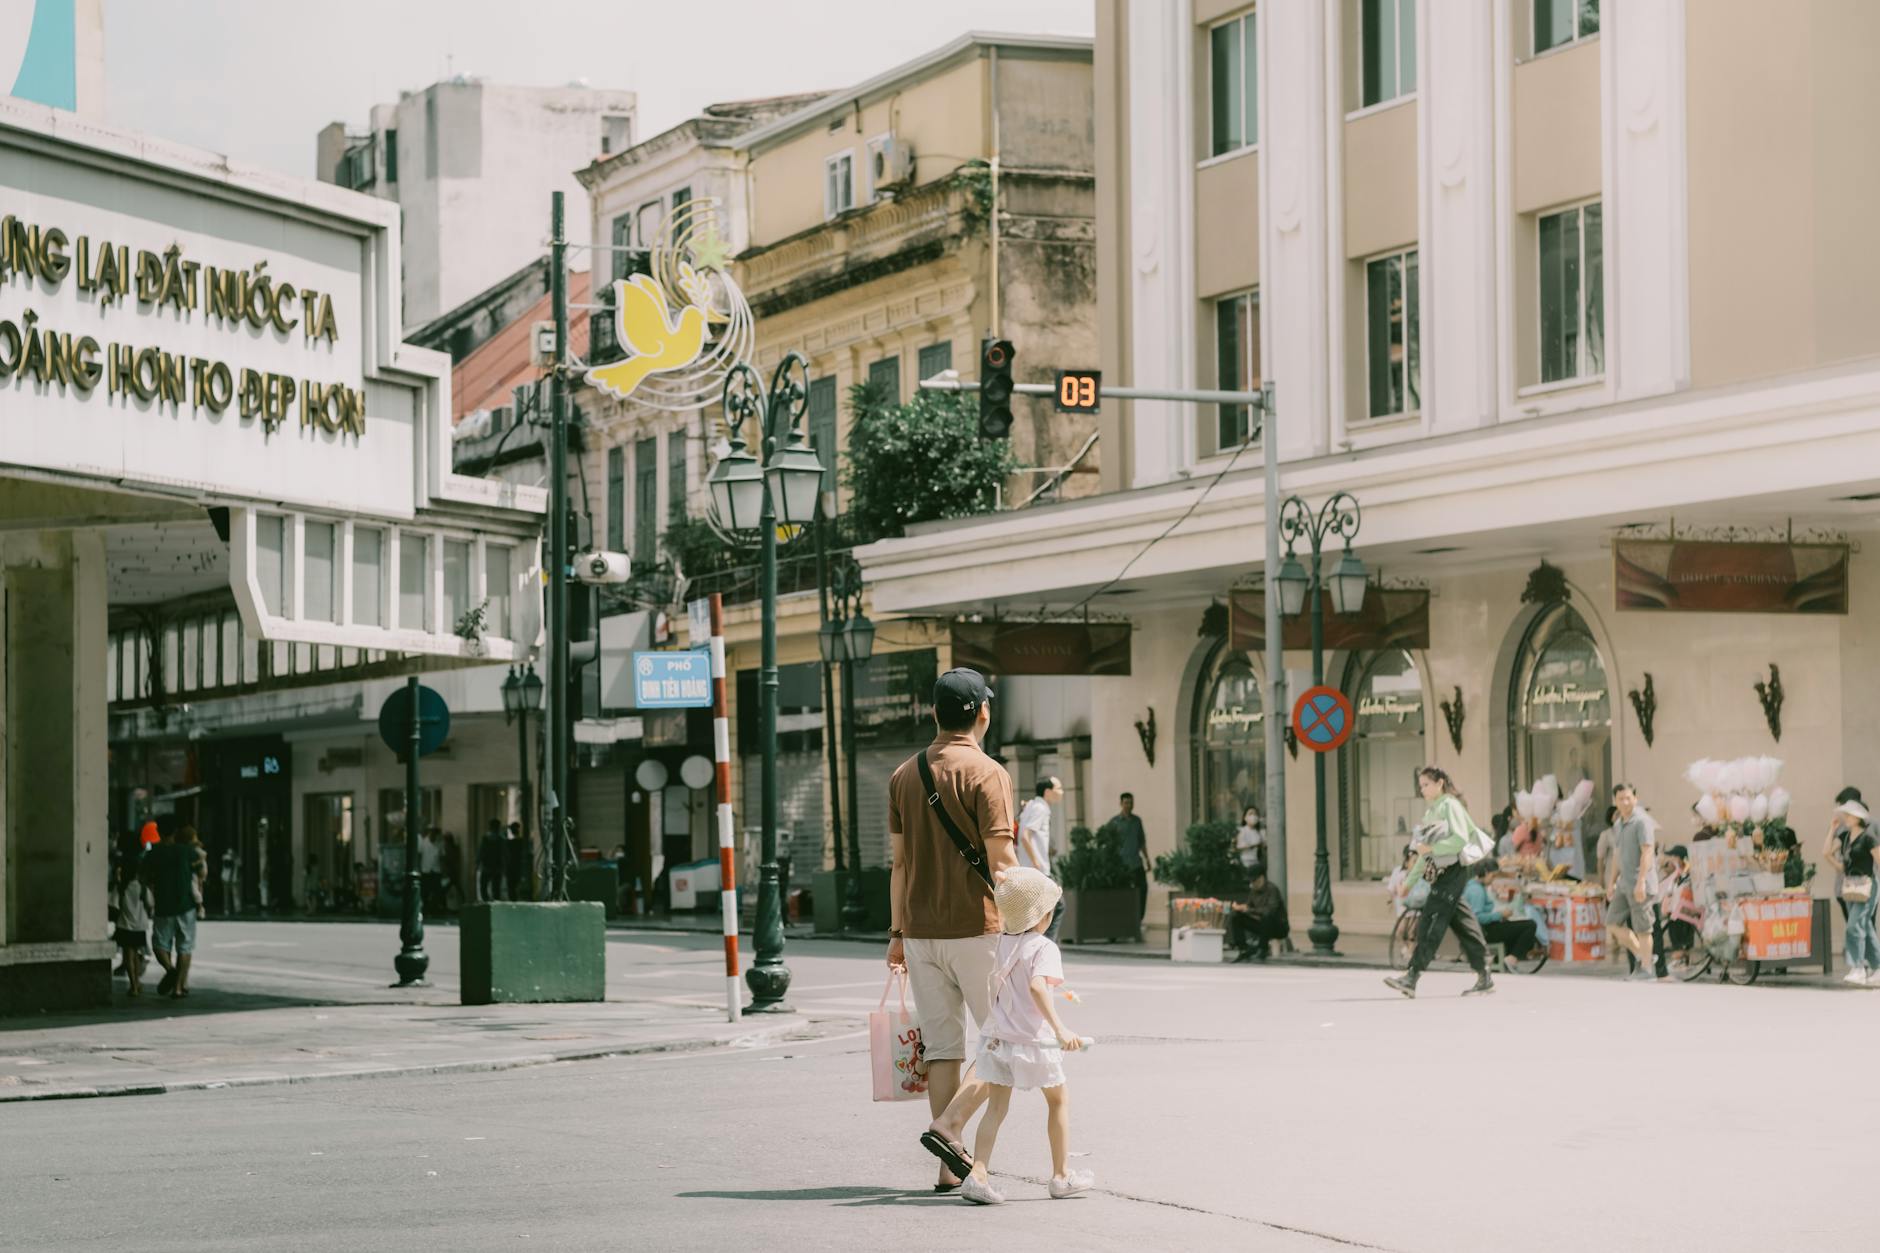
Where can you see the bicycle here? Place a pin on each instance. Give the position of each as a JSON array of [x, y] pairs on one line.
[[1403, 943], [1694, 963]]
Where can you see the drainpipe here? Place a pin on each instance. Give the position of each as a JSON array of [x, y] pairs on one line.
[[993, 223]]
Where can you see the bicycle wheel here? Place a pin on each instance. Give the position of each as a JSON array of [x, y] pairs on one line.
[[1531, 964], [1403, 939], [1742, 971], [1690, 966]]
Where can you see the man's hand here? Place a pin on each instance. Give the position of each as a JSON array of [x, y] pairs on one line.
[[1638, 893], [897, 957]]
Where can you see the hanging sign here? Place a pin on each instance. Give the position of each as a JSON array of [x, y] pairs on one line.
[[1076, 648], [1322, 719], [1396, 617], [1702, 576]]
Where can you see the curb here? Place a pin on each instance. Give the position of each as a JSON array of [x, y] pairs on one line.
[[755, 1040]]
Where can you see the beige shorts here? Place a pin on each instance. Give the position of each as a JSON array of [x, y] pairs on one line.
[[949, 980]]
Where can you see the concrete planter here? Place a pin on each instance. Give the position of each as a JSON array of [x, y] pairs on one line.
[[1099, 914], [516, 951]]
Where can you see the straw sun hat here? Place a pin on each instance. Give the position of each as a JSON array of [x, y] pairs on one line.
[[1023, 896]]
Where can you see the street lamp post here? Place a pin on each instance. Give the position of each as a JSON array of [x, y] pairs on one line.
[[522, 696], [829, 639], [855, 644], [752, 495], [1338, 517]]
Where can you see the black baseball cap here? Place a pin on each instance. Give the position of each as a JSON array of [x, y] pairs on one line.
[[960, 691]]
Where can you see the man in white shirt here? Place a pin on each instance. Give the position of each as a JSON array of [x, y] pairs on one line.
[[1034, 836]]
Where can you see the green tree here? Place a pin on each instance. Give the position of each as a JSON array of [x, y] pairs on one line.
[[919, 461], [1206, 863]]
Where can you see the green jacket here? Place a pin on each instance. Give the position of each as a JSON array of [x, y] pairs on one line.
[[1457, 827]]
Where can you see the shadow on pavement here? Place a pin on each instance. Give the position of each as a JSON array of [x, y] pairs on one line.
[[848, 1195], [200, 1002]]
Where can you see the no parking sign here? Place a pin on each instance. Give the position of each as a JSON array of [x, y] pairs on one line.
[[1322, 719]]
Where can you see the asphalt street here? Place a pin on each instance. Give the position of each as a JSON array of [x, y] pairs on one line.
[[1263, 1108]]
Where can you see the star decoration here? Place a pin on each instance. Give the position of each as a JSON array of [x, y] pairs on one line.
[[709, 252]]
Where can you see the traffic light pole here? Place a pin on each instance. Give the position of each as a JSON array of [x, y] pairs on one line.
[[1274, 717], [555, 803]]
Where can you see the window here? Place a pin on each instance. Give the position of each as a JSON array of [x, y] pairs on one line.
[[681, 197], [1378, 801], [497, 574], [1560, 715], [391, 156], [1388, 40], [414, 583], [1573, 298], [885, 375], [1234, 76], [675, 474], [617, 499], [645, 499], [616, 134], [457, 601], [1558, 23], [935, 359], [271, 561], [1236, 365], [623, 246], [822, 427], [321, 569], [368, 561], [1390, 321], [1230, 745], [838, 184]]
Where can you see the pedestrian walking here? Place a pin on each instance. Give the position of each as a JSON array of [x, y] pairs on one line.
[[1853, 857], [1250, 840], [1134, 846], [131, 903], [1446, 837], [950, 833], [170, 870], [1022, 1045], [1634, 859], [1034, 837], [1837, 838], [490, 862], [431, 871]]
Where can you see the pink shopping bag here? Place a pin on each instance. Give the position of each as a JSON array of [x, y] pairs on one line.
[[894, 1050]]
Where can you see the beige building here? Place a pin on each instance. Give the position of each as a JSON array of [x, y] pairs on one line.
[[1534, 279]]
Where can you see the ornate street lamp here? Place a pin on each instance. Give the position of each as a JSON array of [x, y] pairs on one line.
[[1338, 517], [522, 696], [750, 496], [855, 644]]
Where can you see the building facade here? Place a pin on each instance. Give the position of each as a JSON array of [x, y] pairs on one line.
[[1573, 299], [471, 165]]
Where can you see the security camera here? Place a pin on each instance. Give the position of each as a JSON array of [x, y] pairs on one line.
[[595, 567]]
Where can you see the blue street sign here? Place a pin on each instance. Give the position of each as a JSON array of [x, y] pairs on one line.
[[395, 721], [672, 680]]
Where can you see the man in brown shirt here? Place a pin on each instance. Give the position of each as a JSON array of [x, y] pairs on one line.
[[945, 928]]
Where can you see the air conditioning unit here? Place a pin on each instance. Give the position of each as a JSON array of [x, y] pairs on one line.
[[890, 163]]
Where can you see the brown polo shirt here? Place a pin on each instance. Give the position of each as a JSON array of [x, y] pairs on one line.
[[946, 898]]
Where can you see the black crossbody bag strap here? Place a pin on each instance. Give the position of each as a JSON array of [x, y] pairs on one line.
[[974, 856]]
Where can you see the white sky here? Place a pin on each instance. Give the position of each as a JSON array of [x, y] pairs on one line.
[[257, 79]]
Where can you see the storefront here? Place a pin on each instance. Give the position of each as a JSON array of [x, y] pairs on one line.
[[206, 412], [1378, 799]]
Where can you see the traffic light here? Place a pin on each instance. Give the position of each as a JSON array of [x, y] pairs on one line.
[[995, 388]]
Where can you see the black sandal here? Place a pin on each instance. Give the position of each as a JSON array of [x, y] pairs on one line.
[[953, 1156]]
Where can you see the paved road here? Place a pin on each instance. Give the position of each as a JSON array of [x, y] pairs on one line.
[[1252, 1108]]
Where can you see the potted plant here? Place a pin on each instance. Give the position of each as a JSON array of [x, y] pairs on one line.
[[1099, 898], [1205, 865]]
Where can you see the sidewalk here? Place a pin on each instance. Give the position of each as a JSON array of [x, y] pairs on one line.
[[207, 1042]]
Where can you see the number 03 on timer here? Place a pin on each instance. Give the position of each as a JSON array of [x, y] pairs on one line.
[[1079, 391]]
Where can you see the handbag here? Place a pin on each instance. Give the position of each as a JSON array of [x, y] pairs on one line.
[[974, 855], [1857, 888], [895, 1055]]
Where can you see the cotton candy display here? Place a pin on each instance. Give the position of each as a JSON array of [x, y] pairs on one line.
[[1707, 810], [1779, 802], [1575, 803], [1758, 808], [1740, 792], [1546, 796]]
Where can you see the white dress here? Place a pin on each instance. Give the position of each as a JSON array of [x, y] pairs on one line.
[[1016, 1046]]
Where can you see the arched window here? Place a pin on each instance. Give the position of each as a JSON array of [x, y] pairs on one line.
[[1230, 758], [1560, 715], [1378, 801]]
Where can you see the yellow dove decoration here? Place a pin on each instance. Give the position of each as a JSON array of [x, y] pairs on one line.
[[659, 341]]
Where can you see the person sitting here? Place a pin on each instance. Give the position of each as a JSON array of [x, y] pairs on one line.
[[1252, 927], [1517, 936]]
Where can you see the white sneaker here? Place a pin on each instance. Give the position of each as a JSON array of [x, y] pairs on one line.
[[1071, 1184], [1855, 974], [980, 1191], [1873, 978]]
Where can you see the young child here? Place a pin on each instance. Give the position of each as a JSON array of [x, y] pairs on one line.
[[132, 900], [1021, 1045]]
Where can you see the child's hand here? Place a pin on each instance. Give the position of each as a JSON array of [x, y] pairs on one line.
[[1069, 1043]]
